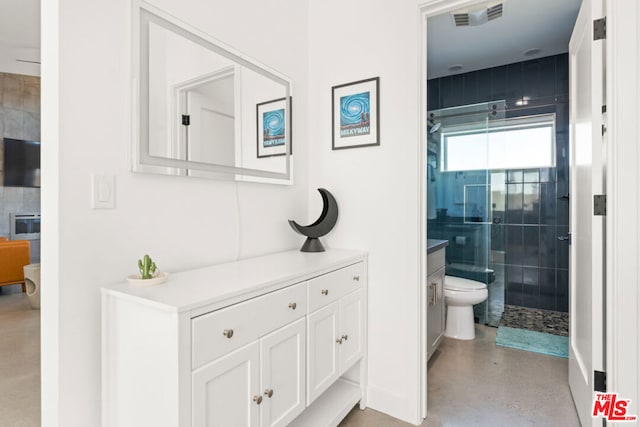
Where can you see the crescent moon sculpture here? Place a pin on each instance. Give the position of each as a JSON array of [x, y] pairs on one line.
[[323, 225]]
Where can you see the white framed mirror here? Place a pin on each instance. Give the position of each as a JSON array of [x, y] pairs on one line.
[[203, 109]]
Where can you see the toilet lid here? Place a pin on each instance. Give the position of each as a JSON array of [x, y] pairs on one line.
[[460, 284]]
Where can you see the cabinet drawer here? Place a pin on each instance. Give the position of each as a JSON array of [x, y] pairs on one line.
[[435, 261], [245, 322], [331, 286]]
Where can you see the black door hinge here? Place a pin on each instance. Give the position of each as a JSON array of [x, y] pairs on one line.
[[600, 381], [600, 204], [600, 29], [186, 120]]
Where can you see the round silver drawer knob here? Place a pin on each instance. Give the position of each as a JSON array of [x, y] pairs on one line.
[[356, 278], [339, 340], [228, 333], [257, 399], [345, 337], [268, 392], [325, 292], [293, 305]]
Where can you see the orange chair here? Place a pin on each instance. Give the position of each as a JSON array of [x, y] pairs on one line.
[[14, 255]]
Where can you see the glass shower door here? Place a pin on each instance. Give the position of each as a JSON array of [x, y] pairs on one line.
[[460, 197]]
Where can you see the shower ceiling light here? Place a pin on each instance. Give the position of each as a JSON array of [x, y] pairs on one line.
[[456, 67], [532, 51]]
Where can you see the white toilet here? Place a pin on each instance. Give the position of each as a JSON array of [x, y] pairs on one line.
[[460, 295]]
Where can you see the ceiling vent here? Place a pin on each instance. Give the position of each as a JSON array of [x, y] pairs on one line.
[[478, 17], [494, 12], [461, 19]]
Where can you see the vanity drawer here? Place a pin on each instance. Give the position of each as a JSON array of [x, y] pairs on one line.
[[435, 261], [219, 332], [332, 286]]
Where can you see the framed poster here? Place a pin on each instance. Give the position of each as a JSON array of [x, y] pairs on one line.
[[271, 123], [355, 114]]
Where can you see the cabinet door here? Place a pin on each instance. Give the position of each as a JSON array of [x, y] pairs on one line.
[[442, 307], [435, 310], [350, 329], [282, 374], [223, 390], [322, 350]]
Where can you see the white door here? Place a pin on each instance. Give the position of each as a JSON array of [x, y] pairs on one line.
[[282, 374], [224, 390], [322, 357], [211, 132], [586, 307]]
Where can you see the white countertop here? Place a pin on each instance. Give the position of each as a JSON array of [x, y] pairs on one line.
[[231, 282]]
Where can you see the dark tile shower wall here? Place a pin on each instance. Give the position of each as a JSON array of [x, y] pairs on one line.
[[536, 213], [536, 261]]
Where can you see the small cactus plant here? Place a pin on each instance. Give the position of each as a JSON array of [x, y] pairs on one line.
[[147, 267]]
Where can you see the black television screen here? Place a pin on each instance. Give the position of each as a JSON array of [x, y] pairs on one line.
[[21, 164]]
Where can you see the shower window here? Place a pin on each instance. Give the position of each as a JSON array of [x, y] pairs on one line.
[[522, 143]]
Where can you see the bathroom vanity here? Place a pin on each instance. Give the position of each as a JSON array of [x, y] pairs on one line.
[[270, 341], [435, 293]]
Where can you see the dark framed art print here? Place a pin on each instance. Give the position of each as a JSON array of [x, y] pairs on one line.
[[272, 123], [355, 114]]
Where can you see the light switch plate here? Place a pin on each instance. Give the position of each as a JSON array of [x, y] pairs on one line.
[[103, 189]]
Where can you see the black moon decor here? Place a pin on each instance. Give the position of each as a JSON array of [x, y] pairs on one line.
[[323, 225]]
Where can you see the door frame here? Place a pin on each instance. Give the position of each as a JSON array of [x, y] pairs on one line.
[[425, 10], [622, 333], [622, 326]]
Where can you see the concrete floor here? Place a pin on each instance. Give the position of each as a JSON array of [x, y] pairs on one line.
[[19, 360], [471, 383], [476, 383]]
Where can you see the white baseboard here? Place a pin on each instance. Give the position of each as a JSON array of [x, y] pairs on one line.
[[392, 404]]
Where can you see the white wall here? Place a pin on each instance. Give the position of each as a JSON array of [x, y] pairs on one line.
[[376, 187], [185, 223], [180, 222], [9, 63]]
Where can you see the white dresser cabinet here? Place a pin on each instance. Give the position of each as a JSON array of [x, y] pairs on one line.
[[271, 370], [334, 328], [271, 341]]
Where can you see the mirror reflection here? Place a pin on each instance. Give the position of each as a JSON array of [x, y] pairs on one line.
[[205, 110]]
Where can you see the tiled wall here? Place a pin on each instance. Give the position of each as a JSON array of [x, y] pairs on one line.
[[535, 262], [20, 106], [19, 119]]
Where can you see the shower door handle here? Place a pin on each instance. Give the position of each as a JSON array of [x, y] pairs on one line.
[[566, 238]]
